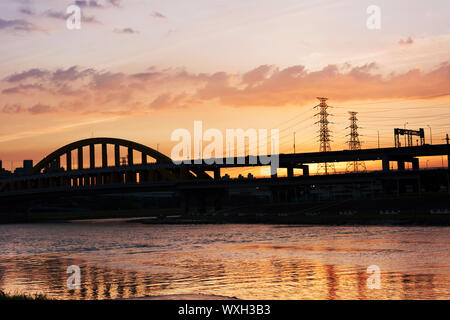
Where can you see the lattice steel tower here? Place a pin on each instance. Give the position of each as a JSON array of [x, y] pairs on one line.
[[354, 144], [324, 134]]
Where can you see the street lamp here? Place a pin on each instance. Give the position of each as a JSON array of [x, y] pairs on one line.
[[431, 135]]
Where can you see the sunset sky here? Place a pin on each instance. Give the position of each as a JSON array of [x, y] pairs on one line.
[[140, 69]]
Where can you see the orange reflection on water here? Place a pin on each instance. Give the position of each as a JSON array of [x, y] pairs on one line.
[[247, 262], [262, 279]]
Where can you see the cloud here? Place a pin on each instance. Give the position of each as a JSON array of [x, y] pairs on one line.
[[406, 42], [87, 90], [115, 3], [27, 11], [32, 73], [40, 109], [273, 86], [88, 4], [34, 110], [157, 15], [96, 4], [60, 15], [167, 100], [23, 89], [71, 74], [126, 31], [19, 25], [12, 109]]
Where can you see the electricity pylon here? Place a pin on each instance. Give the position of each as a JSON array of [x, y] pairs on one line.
[[354, 144], [324, 134]]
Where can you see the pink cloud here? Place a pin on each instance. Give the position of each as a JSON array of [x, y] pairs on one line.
[[81, 90]]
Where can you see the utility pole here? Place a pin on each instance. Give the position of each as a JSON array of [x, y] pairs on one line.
[[294, 142], [324, 133], [378, 139], [354, 143], [431, 135]]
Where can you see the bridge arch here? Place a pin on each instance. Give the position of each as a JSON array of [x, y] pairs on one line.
[[54, 157]]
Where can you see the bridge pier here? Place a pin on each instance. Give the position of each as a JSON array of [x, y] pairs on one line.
[[80, 158], [401, 165], [130, 177], [290, 172], [130, 156], [116, 155], [217, 174], [415, 164], [386, 165], [92, 156], [69, 161], [104, 155]]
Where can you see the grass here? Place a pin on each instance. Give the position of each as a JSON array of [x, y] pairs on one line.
[[21, 297]]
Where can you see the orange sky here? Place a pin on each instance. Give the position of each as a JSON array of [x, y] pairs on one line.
[[252, 64]]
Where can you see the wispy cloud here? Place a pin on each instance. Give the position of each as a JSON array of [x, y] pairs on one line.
[[54, 129], [27, 11], [406, 42], [60, 15], [19, 25], [157, 15], [87, 91], [96, 4], [125, 31]]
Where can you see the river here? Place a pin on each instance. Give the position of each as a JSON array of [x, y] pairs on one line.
[[119, 259]]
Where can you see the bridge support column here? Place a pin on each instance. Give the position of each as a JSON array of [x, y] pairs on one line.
[[130, 177], [80, 158], [273, 172], [130, 157], [386, 165], [415, 164], [290, 172], [116, 155], [104, 155], [143, 158], [184, 203], [401, 165], [448, 161], [217, 174], [91, 156], [69, 161], [305, 169]]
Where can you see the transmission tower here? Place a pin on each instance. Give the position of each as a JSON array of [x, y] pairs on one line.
[[354, 144], [324, 134]]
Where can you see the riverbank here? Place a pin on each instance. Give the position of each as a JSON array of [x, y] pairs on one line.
[[20, 297], [430, 210]]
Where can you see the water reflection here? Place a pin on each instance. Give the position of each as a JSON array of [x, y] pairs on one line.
[[264, 263], [275, 279]]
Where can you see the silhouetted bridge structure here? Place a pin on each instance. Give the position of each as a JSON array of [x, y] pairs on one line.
[[157, 172]]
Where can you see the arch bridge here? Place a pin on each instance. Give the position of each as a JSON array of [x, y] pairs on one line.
[[49, 172]]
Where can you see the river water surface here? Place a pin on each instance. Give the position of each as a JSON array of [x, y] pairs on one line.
[[124, 260]]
